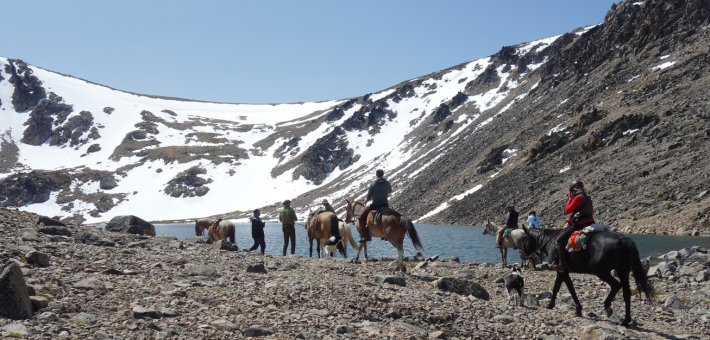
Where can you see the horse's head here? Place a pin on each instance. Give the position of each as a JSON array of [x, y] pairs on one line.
[[527, 245], [489, 228], [349, 214], [198, 228]]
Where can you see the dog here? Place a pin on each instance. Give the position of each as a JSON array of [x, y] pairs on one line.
[[331, 245], [515, 286]]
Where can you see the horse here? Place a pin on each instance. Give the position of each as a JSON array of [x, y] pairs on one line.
[[221, 230], [509, 241], [202, 225], [391, 227], [320, 230], [606, 251]]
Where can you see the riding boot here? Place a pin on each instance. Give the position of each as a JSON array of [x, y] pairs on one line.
[[364, 231], [561, 267]]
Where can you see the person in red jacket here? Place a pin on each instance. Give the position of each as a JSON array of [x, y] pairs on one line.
[[581, 214]]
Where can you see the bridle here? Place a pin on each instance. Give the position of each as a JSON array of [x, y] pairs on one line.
[[537, 253]]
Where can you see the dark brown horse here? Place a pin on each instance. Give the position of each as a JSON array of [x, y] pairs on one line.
[[221, 230], [390, 227], [201, 226], [320, 230]]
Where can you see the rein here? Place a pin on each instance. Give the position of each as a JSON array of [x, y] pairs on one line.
[[537, 251]]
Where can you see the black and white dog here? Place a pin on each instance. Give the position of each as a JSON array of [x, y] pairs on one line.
[[331, 245], [515, 285]]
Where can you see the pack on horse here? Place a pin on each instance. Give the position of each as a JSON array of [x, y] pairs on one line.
[[509, 241], [201, 226], [390, 225], [605, 251], [221, 230], [320, 226]]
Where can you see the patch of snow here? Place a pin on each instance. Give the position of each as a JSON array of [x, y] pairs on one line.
[[562, 102], [629, 131], [638, 3], [494, 175], [663, 66], [586, 29], [508, 154], [557, 128], [564, 169], [664, 56]]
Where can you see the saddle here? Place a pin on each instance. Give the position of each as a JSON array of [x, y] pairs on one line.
[[213, 232], [375, 216], [314, 219], [578, 240]]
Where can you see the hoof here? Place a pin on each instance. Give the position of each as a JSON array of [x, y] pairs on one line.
[[609, 311], [578, 314], [625, 324], [550, 306]]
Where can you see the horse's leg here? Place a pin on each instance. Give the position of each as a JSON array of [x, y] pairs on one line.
[[570, 288], [310, 247], [364, 245], [357, 256], [615, 286], [624, 277], [555, 290], [504, 255]]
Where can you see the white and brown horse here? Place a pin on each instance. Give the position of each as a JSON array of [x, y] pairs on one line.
[[221, 230], [510, 241], [319, 229], [389, 227]]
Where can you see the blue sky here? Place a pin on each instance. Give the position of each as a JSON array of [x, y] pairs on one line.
[[273, 51]]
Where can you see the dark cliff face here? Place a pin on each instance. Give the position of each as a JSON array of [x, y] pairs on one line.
[[603, 112]]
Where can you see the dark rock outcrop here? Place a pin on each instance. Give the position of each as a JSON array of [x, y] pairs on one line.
[[49, 222], [39, 125], [14, 297], [188, 184], [462, 287], [28, 88], [129, 224], [93, 239], [72, 130], [324, 156]]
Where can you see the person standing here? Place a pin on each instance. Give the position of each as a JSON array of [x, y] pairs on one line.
[[378, 192], [581, 214], [511, 223], [327, 206], [257, 231], [288, 220], [533, 220]]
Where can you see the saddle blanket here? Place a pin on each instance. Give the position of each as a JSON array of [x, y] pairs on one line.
[[578, 240], [213, 231], [372, 218]]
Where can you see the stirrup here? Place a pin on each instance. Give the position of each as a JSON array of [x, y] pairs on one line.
[[499, 245]]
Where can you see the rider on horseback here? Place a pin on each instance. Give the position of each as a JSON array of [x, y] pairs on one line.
[[580, 208], [511, 223], [378, 192], [327, 206]]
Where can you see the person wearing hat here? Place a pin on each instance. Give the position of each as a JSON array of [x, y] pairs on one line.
[[511, 222], [327, 206], [581, 214], [288, 220], [257, 231]]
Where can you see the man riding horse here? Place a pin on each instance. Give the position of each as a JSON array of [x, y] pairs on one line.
[[378, 192], [580, 210], [511, 223]]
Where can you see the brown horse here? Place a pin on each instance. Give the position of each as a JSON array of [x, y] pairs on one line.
[[221, 230], [202, 225], [320, 230], [390, 227]]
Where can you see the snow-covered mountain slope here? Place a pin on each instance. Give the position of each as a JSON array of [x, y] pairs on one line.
[[597, 103]]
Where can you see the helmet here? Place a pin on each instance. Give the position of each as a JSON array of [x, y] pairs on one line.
[[576, 184]]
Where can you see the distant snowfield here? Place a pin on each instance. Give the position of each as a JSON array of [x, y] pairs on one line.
[[250, 184]]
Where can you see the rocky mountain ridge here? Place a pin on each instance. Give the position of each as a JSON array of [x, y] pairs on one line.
[[621, 105]]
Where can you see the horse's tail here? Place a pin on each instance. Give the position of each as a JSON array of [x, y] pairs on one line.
[[232, 237], [642, 282], [350, 237], [411, 232]]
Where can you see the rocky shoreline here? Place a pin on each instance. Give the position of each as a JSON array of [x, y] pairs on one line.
[[88, 283]]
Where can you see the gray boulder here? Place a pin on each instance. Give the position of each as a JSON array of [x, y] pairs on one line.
[[55, 230], [453, 259], [16, 328], [15, 300], [39, 302], [129, 224], [29, 235], [38, 257], [200, 270], [256, 268], [254, 332], [91, 283], [142, 313], [465, 274], [93, 239], [462, 287], [83, 319], [391, 279], [224, 325], [48, 222], [673, 302], [225, 245]]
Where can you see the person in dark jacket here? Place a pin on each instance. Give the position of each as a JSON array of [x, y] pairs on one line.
[[511, 223], [378, 192], [581, 214], [327, 206], [257, 231]]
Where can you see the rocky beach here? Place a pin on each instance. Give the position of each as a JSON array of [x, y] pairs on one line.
[[87, 283]]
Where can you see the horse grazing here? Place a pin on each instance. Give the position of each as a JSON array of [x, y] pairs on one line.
[[509, 241], [202, 225], [221, 230], [391, 227], [320, 230], [606, 251]]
